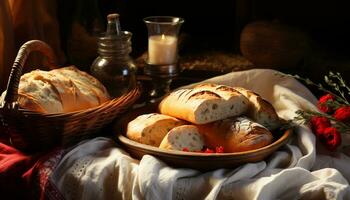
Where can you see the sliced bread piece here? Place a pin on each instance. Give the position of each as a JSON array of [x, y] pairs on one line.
[[151, 128], [183, 137]]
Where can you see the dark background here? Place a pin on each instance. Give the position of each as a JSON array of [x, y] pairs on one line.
[[217, 25], [218, 22]]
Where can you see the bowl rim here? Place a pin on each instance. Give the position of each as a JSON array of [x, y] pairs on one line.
[[283, 139]]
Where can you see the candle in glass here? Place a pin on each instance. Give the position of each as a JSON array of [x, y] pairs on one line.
[[162, 49], [162, 60]]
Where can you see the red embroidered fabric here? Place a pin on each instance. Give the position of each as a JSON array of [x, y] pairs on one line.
[[25, 176]]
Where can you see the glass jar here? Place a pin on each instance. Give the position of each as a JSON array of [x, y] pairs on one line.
[[114, 67]]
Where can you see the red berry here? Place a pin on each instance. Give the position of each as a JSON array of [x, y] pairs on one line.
[[185, 149], [207, 150], [342, 114], [318, 124], [219, 149], [332, 138], [322, 103]]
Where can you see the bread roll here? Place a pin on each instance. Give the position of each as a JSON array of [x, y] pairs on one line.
[[235, 134], [151, 128], [183, 137], [201, 105], [260, 110], [61, 90]]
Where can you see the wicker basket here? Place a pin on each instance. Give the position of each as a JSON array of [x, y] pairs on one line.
[[35, 131]]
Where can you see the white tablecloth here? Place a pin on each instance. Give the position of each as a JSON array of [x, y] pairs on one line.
[[98, 169]]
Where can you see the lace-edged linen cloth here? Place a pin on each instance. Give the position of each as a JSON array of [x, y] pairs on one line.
[[99, 169]]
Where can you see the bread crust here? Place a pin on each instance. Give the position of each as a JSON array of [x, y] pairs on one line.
[[151, 128], [84, 81], [236, 134], [183, 137], [37, 93], [260, 110], [61, 90], [202, 105]]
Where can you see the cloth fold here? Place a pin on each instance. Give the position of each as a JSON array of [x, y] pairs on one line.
[[14, 168], [99, 169], [21, 172]]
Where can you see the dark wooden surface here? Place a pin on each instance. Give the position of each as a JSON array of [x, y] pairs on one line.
[[201, 65]]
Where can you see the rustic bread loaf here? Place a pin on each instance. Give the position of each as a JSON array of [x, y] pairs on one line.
[[36, 93], [235, 134], [183, 137], [260, 110], [61, 90], [202, 105], [86, 83], [151, 128]]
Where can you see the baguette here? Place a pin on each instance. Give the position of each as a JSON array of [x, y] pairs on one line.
[[201, 105], [224, 91], [183, 137], [236, 134], [260, 110], [151, 128]]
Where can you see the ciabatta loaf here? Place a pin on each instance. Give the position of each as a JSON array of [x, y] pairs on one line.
[[151, 128], [201, 105], [184, 137], [61, 90], [260, 110], [236, 134]]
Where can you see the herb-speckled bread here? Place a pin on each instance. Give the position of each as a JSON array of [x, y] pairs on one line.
[[183, 137], [151, 128], [201, 105]]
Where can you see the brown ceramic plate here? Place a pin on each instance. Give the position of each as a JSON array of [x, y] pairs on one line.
[[199, 161]]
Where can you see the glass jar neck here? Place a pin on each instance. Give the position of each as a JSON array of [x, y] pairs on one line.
[[116, 57], [116, 46], [116, 53]]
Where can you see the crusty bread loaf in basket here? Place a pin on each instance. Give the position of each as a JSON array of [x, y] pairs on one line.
[[33, 131]]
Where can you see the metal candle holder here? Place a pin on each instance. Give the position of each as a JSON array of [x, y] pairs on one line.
[[162, 60], [162, 76]]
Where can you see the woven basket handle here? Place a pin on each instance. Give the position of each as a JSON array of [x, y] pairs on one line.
[[10, 100]]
